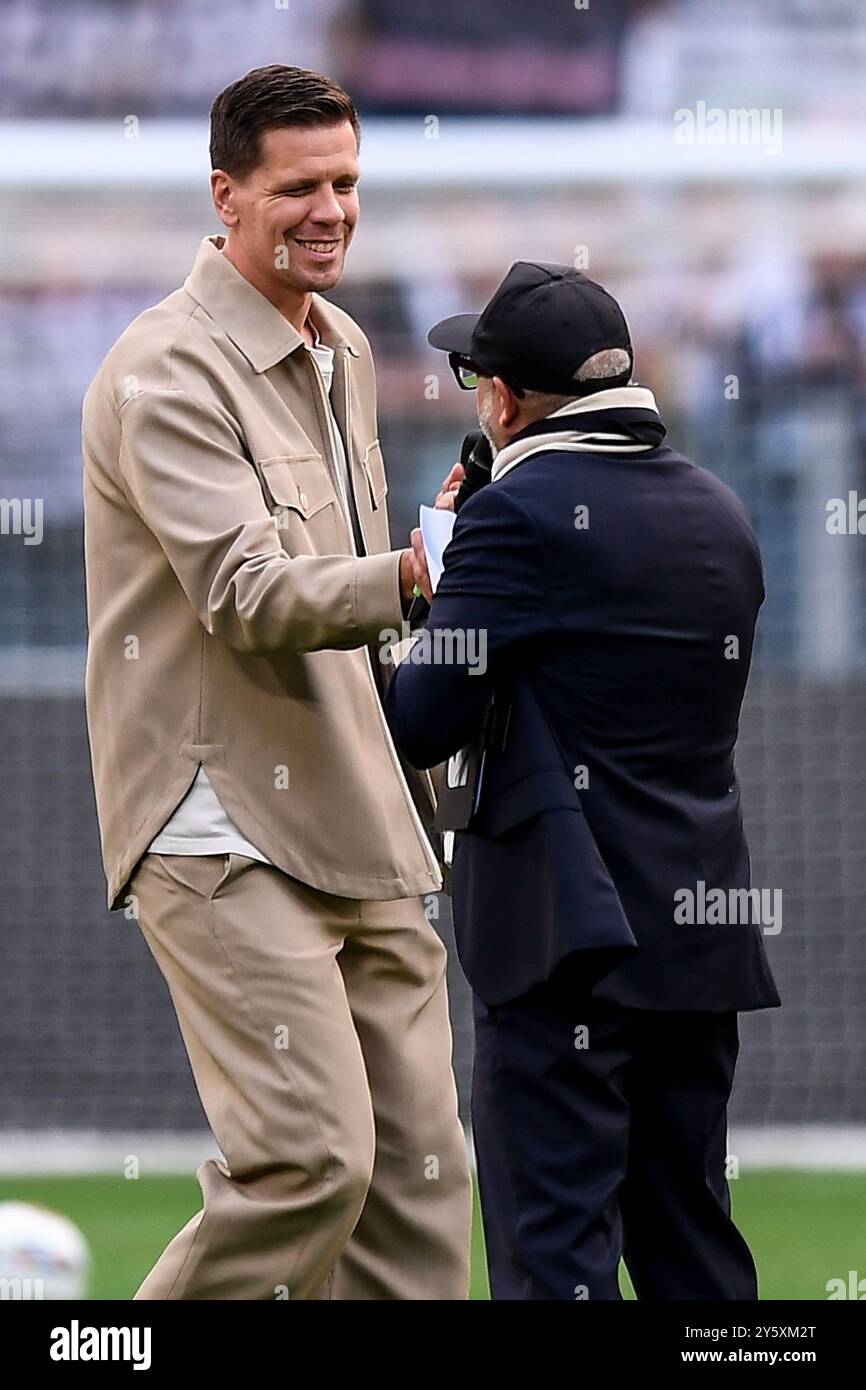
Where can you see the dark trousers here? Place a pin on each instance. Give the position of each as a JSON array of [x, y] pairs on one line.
[[600, 1132]]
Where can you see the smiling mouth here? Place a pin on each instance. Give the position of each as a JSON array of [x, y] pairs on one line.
[[319, 248]]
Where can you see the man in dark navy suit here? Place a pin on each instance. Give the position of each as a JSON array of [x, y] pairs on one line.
[[600, 873]]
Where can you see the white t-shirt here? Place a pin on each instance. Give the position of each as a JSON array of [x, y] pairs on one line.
[[199, 825], [324, 358]]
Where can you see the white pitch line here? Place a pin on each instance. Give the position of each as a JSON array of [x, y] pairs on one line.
[[41, 1153]]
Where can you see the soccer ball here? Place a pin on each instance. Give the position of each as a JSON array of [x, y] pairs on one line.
[[42, 1254]]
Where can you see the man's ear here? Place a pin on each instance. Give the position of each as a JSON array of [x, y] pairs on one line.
[[507, 404], [223, 201]]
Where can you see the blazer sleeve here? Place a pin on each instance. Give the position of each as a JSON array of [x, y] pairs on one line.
[[186, 475], [490, 602]]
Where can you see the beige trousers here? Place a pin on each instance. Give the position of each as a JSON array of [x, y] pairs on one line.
[[318, 1034]]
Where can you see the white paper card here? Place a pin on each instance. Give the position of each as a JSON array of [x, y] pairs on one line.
[[436, 526]]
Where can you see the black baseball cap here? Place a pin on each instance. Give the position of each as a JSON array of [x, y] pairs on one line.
[[538, 329]]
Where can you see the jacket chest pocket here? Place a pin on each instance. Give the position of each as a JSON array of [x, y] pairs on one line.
[[374, 467], [304, 504]]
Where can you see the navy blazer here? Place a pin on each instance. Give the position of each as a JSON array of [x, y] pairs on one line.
[[617, 594]]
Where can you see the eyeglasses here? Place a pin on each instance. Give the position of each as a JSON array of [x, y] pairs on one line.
[[466, 373]]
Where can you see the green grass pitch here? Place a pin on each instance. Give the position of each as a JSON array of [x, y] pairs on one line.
[[804, 1228]]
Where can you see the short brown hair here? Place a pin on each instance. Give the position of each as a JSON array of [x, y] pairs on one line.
[[268, 98]]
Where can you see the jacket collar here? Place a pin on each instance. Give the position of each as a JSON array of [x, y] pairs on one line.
[[246, 316], [623, 419]]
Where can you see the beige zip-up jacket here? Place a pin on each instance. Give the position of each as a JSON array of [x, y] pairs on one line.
[[229, 617]]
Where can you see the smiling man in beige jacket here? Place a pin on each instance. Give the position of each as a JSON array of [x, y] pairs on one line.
[[254, 813]]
